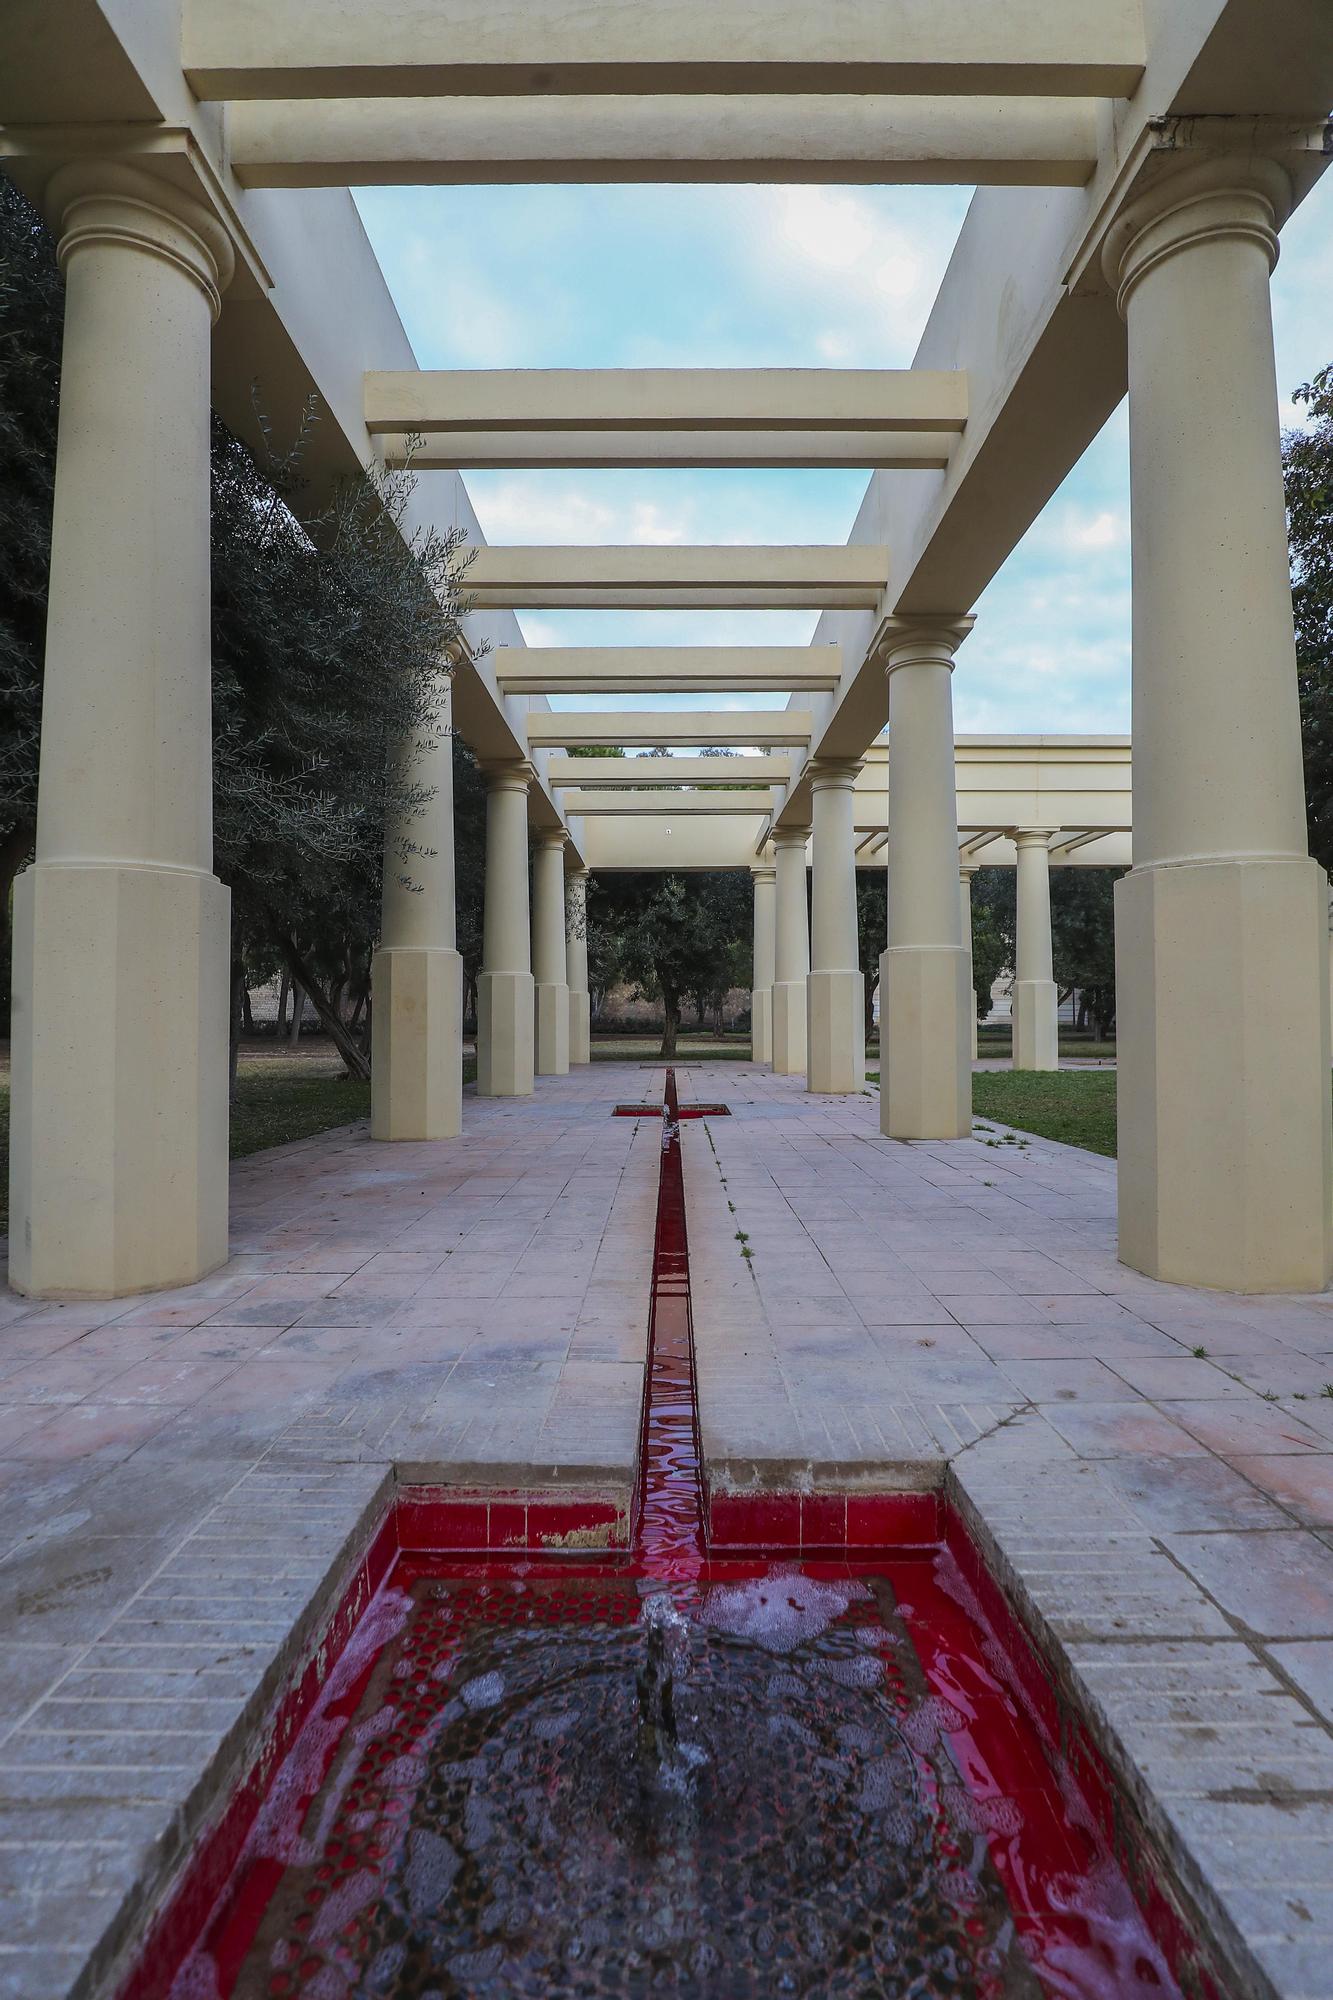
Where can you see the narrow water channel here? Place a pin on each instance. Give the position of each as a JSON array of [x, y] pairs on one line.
[[665, 1773]]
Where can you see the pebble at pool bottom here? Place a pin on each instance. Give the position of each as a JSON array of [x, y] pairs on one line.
[[794, 1778]]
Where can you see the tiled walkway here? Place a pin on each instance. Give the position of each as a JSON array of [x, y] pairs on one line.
[[1150, 1470]]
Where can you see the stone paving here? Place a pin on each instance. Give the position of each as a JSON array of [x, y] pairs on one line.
[[1149, 1470], [181, 1476]]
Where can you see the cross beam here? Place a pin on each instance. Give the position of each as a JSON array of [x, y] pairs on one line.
[[664, 399], [458, 141], [599, 774], [653, 450], [648, 727], [667, 804], [668, 578], [307, 48], [666, 669]]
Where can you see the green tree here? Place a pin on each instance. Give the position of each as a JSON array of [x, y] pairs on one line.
[[1308, 464], [673, 936], [872, 933], [993, 922], [31, 321], [1083, 939], [330, 635]]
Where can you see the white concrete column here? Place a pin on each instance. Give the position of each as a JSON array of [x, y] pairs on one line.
[[1225, 1158], [966, 870], [576, 965], [118, 1147], [505, 1001], [925, 1042], [416, 1024], [835, 1020], [549, 963], [1036, 1002], [765, 877], [791, 952]]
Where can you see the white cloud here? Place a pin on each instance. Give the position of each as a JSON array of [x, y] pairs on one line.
[[1078, 530]]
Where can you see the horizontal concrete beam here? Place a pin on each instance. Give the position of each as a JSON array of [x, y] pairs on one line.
[[451, 142], [666, 669], [687, 727], [616, 773], [527, 451], [683, 845], [666, 399], [669, 803], [306, 48], [669, 578]]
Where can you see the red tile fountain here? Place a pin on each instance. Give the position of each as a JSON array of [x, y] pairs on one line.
[[666, 1769]]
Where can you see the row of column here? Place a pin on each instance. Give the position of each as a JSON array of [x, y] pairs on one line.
[[532, 994], [119, 1124], [808, 1000]]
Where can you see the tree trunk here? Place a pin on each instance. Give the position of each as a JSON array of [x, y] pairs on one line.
[[283, 985], [237, 1011], [298, 1012], [354, 1060], [359, 1009], [671, 1025], [247, 1011], [15, 847]]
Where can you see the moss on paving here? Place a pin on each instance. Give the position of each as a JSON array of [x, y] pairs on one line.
[[1076, 1107]]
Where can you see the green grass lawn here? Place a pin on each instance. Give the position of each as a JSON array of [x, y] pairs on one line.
[[689, 1048], [1074, 1106], [998, 1044]]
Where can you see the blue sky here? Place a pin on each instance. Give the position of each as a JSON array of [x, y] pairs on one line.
[[745, 276]]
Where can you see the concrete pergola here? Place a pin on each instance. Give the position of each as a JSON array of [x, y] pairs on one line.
[[1135, 164]]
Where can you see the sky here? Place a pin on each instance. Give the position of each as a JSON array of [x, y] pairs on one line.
[[586, 277]]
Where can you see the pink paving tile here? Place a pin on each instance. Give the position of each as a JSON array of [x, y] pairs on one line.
[[1183, 1378], [1279, 1584], [1082, 1380], [1256, 1430], [67, 1376], [168, 1379], [88, 1428], [18, 1425], [1110, 1430], [1304, 1485]]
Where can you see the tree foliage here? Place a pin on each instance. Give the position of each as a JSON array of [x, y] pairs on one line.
[[1307, 456], [678, 938], [31, 320]]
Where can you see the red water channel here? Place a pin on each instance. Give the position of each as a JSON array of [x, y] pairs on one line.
[[672, 1767]]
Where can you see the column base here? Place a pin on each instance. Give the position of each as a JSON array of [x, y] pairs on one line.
[[761, 1025], [1225, 1158], [835, 1032], [1036, 1024], [416, 1043], [118, 1142], [580, 1027], [925, 1082], [552, 1030], [505, 1034], [789, 1012]]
